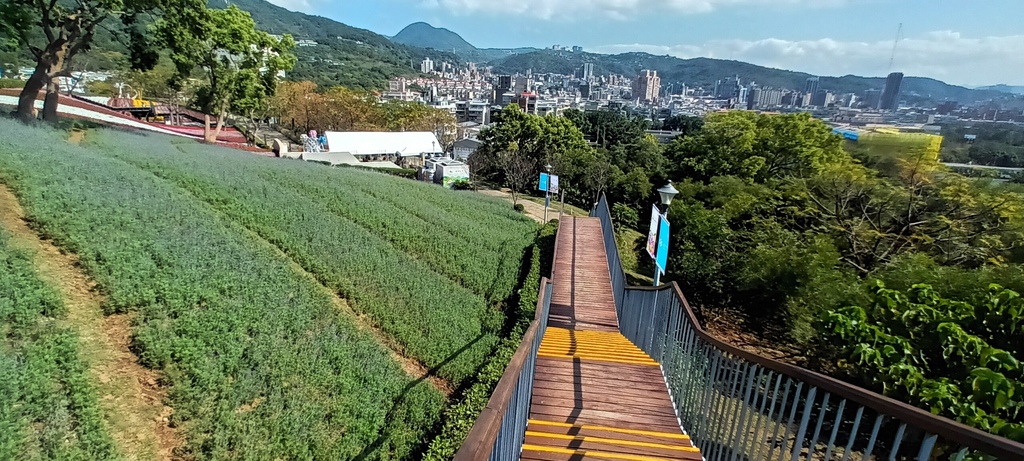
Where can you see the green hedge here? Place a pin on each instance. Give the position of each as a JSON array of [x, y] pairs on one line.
[[11, 83], [460, 417]]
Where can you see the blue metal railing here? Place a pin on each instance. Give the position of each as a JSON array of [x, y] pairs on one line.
[[736, 405]]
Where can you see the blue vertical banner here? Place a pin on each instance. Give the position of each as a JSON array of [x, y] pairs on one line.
[[543, 185], [662, 259]]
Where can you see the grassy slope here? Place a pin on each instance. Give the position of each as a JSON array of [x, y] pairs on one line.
[[259, 363], [394, 266], [48, 408]]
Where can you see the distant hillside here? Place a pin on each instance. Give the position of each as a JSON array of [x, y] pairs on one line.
[[1004, 89], [423, 35], [704, 72], [345, 55]]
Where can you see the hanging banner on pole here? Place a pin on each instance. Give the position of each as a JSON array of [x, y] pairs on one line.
[[543, 184], [652, 235], [662, 259], [553, 184]]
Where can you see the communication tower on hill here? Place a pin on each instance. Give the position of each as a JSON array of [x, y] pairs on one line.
[[895, 43]]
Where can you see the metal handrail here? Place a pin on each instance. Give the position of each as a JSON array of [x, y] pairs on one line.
[[737, 405], [498, 432]]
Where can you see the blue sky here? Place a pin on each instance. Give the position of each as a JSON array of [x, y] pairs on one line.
[[967, 42]]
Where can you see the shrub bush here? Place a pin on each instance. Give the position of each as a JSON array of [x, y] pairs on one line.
[[11, 83], [957, 359]]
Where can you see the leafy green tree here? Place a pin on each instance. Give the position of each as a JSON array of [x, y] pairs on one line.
[[239, 63], [756, 146], [520, 144], [56, 32], [607, 128], [957, 359], [633, 188], [685, 124], [625, 217]]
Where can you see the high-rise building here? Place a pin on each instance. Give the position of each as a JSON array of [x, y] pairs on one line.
[[503, 83], [753, 96], [871, 97], [585, 72], [791, 98], [427, 66], [890, 99], [812, 85], [522, 84], [727, 88], [820, 98], [647, 86]]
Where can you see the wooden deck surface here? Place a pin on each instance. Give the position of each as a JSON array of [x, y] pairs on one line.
[[596, 396]]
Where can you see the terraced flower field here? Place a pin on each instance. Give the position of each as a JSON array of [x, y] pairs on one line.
[[48, 408], [213, 249]]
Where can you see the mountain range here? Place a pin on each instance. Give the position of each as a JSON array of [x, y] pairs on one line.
[[359, 58], [423, 35], [1004, 88], [702, 72]]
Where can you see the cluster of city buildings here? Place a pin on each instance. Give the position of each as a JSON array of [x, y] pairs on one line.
[[736, 94]]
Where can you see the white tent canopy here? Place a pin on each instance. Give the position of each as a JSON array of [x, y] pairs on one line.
[[405, 143], [343, 158]]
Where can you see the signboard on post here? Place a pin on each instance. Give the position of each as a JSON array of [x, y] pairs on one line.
[[543, 185], [652, 235], [553, 184], [662, 260]]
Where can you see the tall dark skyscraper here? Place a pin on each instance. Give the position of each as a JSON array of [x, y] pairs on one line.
[[812, 85], [890, 99]]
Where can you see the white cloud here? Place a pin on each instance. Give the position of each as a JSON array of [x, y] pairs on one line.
[[615, 9], [944, 55]]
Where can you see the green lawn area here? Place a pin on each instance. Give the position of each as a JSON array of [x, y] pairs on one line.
[[556, 205]]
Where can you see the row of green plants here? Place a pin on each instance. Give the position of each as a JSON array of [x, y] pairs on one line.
[[388, 263], [460, 416], [257, 360], [48, 407], [477, 244]]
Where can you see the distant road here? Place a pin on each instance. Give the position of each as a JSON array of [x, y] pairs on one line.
[[984, 167]]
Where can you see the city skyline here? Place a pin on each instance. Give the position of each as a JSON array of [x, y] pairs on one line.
[[954, 41]]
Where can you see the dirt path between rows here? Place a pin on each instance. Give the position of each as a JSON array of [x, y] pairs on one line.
[[129, 396], [411, 366]]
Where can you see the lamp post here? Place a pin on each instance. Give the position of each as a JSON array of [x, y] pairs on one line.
[[547, 193], [667, 193]]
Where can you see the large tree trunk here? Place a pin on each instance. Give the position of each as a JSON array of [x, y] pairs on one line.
[[49, 65], [52, 100], [216, 131], [206, 129], [27, 101]]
